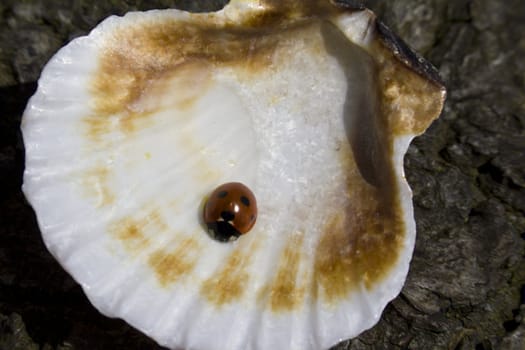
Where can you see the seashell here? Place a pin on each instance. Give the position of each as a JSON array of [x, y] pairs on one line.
[[312, 105]]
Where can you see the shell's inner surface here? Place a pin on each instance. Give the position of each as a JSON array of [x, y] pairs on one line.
[[312, 113], [264, 108]]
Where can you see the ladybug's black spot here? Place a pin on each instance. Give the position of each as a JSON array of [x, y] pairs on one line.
[[222, 194], [245, 201], [222, 231], [252, 217], [227, 215]]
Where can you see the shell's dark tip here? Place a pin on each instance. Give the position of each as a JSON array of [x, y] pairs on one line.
[[222, 231], [408, 56]]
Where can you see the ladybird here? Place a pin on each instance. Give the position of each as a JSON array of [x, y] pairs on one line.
[[231, 210]]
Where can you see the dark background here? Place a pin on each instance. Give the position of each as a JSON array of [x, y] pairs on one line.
[[466, 286]]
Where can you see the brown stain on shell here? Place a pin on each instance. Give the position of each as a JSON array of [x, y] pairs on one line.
[[410, 101], [144, 53], [171, 266], [361, 243], [230, 282], [286, 291], [135, 232]]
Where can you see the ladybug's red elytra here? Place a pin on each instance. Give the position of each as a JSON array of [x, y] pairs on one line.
[[231, 210]]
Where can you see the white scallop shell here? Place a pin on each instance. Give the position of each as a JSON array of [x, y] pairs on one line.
[[132, 126]]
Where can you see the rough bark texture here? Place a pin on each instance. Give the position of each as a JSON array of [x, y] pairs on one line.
[[466, 286]]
